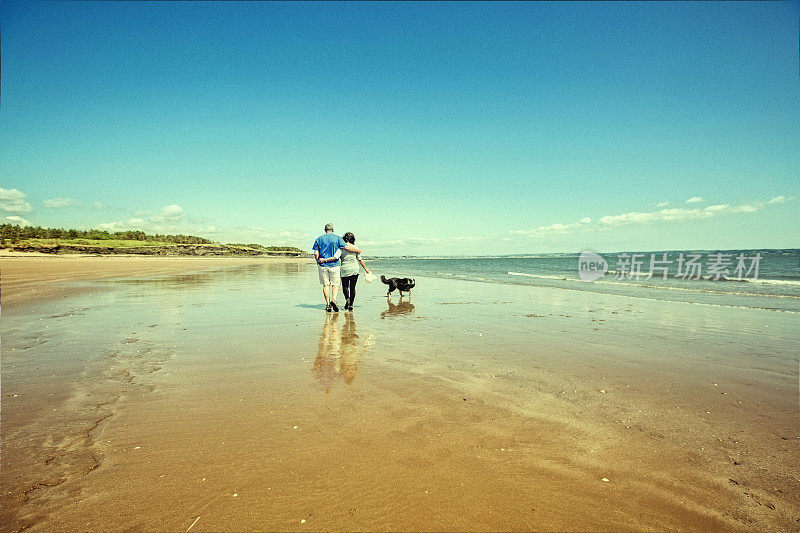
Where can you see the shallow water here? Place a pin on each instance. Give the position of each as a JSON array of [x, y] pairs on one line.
[[776, 287]]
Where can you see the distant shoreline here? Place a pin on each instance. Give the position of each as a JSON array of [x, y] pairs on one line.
[[576, 254], [180, 250]]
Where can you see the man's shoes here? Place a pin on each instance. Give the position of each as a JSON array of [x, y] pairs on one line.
[[328, 308], [335, 307]]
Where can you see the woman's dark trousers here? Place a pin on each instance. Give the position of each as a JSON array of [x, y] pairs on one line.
[[349, 288]]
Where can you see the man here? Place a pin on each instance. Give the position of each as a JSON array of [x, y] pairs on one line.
[[325, 252]]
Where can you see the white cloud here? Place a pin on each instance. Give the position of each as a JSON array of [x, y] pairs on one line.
[[61, 202], [100, 206], [668, 215], [422, 241], [694, 200], [255, 234], [13, 201], [169, 219], [395, 242], [131, 223], [171, 214], [662, 204], [663, 215], [19, 221], [173, 219], [553, 229], [412, 241]]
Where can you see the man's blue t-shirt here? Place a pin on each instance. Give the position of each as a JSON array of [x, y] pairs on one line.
[[327, 245]]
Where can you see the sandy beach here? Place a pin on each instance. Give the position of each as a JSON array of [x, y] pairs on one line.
[[216, 394], [29, 277]]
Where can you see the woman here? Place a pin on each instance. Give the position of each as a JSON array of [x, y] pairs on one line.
[[350, 261]]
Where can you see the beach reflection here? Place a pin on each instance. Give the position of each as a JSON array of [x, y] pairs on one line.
[[400, 308], [338, 354], [238, 275]]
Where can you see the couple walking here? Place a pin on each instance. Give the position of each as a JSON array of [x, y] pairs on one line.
[[333, 271]]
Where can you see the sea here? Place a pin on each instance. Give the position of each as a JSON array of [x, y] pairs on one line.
[[759, 279]]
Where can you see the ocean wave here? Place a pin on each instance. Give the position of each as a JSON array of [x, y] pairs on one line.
[[768, 281], [793, 282], [667, 287], [789, 282], [658, 287], [561, 278]]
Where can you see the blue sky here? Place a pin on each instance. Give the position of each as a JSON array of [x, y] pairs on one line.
[[424, 128]]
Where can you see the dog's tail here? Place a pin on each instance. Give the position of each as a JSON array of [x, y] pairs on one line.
[[383, 279]]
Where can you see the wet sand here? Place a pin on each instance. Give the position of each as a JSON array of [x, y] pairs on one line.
[[229, 400], [28, 277]]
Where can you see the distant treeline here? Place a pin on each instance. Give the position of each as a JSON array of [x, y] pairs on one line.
[[12, 233]]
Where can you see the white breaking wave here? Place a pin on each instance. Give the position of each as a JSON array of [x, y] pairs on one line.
[[540, 276], [795, 283], [775, 281], [619, 283]]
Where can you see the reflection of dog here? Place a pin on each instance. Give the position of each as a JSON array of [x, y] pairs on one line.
[[402, 308], [401, 284]]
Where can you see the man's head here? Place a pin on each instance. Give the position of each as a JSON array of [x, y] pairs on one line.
[[328, 228]]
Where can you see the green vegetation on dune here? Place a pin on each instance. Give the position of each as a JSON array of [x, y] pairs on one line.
[[72, 240], [13, 233], [109, 243]]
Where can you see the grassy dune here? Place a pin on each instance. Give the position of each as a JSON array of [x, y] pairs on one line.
[[130, 246]]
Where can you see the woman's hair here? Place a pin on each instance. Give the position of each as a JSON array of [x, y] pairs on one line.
[[349, 238]]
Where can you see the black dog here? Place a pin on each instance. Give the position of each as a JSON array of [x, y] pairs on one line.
[[401, 284]]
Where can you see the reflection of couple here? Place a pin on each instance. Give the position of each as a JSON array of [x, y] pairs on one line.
[[328, 249], [337, 357]]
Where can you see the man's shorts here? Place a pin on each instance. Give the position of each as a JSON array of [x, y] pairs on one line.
[[330, 275]]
